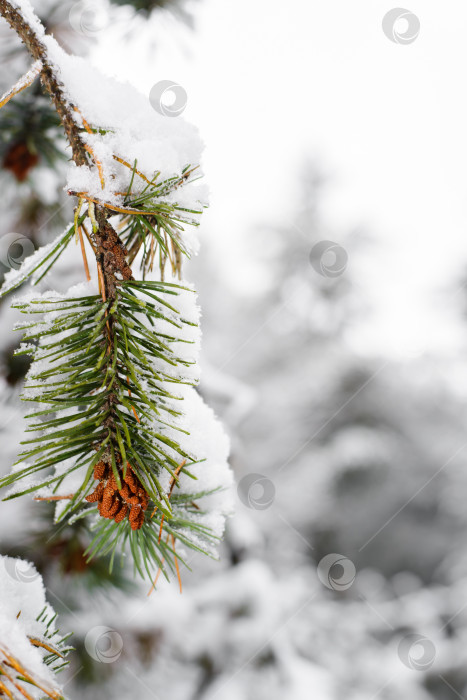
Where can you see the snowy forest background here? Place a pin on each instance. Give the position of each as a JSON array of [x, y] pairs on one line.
[[339, 374]]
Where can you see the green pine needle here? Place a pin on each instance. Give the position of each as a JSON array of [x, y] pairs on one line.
[[98, 397]]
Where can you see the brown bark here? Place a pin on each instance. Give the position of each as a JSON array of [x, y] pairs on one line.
[[111, 251]]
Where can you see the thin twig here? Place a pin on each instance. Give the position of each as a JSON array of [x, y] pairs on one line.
[[25, 81], [43, 645], [138, 172], [54, 498], [176, 565], [83, 252]]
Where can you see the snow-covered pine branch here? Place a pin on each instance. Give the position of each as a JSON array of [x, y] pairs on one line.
[[32, 651], [119, 434]]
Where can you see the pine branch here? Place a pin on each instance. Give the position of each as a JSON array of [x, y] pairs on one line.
[[107, 402], [108, 242], [16, 679], [78, 362], [52, 642], [107, 365]]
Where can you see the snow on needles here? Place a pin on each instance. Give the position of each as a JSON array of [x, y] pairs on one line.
[[124, 124], [129, 141], [196, 429], [21, 602]]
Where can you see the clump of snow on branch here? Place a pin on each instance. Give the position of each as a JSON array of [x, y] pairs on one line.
[[22, 601], [124, 124], [26, 10]]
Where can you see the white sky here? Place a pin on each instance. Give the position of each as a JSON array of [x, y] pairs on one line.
[[271, 82]]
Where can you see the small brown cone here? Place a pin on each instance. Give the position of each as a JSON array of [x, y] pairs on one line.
[[19, 160], [121, 514]]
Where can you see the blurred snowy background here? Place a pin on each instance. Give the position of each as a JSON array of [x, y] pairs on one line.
[[332, 281]]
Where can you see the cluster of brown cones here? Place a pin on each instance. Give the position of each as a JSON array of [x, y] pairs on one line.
[[114, 503]]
